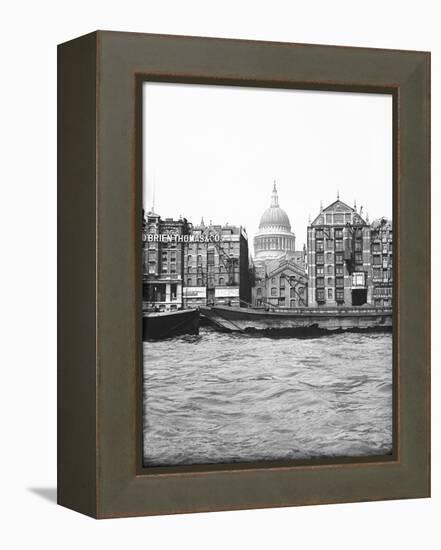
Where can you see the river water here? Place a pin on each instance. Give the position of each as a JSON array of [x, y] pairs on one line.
[[218, 397]]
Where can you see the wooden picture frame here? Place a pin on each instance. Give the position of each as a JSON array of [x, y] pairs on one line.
[[100, 469]]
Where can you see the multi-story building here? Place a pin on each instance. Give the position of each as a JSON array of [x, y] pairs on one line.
[[339, 257], [163, 250], [281, 284], [186, 266], [216, 266], [382, 271]]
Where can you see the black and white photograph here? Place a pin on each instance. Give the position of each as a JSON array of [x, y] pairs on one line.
[[267, 274]]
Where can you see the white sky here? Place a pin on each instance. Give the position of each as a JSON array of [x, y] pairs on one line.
[[214, 151]]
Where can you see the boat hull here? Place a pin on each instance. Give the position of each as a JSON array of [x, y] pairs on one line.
[[302, 321], [157, 326]]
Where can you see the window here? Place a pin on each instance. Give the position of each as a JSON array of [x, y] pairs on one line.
[[319, 258], [301, 290], [164, 268], [173, 291], [259, 292], [358, 233], [199, 282], [339, 218], [282, 301], [320, 294], [338, 233], [376, 247], [292, 293], [339, 258], [189, 283], [320, 282], [319, 233], [273, 291], [152, 266], [273, 280], [330, 281], [329, 270], [319, 246], [376, 273], [339, 281], [339, 295], [319, 270], [199, 259], [329, 245], [376, 260], [330, 293], [358, 279], [329, 256], [173, 268], [339, 245], [339, 270], [358, 246], [282, 291], [358, 257]]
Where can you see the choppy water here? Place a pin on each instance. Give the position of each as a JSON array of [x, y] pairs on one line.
[[226, 398]]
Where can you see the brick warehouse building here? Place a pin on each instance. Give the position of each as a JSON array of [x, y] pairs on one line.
[[280, 283], [339, 257], [163, 258], [186, 266], [382, 270], [216, 266]]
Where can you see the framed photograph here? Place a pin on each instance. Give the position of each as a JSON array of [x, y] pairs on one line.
[[244, 267]]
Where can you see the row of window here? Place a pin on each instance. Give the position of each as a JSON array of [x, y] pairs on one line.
[[201, 281], [383, 291], [384, 261], [292, 292], [202, 247], [383, 302], [384, 248], [190, 269], [320, 233], [320, 282], [330, 270], [379, 274], [320, 245], [320, 258], [339, 294]]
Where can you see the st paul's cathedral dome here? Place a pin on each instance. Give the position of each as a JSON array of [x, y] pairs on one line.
[[274, 238]]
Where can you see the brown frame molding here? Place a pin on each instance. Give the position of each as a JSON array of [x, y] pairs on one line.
[[100, 356]]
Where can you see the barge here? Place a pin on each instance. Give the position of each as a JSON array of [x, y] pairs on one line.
[[300, 320], [166, 324]]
